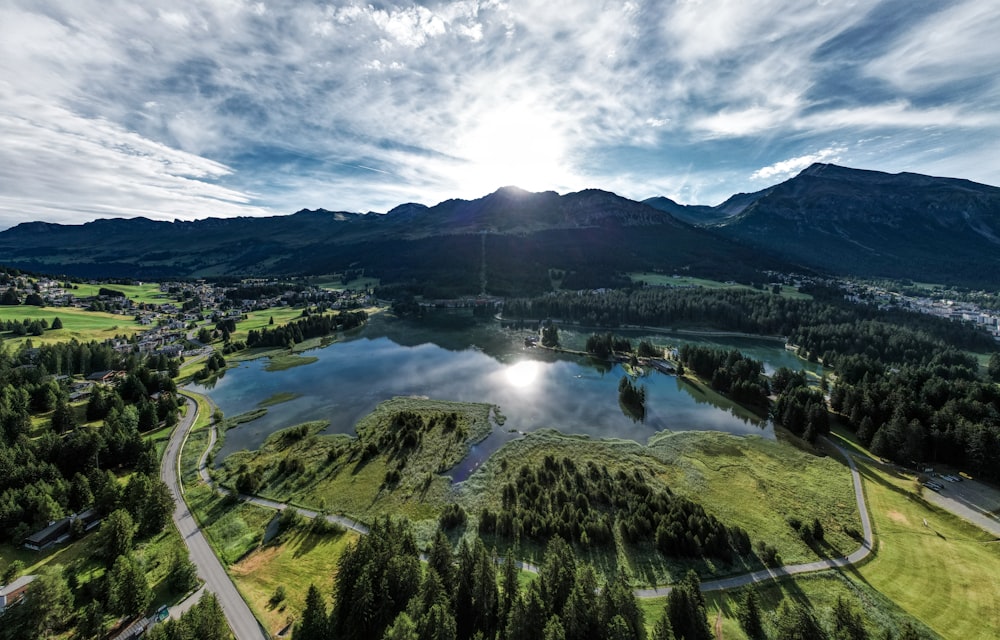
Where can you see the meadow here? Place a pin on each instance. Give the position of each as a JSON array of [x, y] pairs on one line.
[[78, 324], [370, 475], [721, 472], [148, 292], [662, 280]]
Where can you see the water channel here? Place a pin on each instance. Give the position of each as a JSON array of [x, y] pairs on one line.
[[480, 362]]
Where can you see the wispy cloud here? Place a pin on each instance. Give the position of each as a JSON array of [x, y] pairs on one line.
[[228, 107], [791, 166]]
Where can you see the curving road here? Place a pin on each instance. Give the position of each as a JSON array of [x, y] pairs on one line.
[[763, 575], [241, 620], [731, 582]]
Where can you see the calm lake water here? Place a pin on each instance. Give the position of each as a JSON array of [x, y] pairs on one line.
[[534, 389]]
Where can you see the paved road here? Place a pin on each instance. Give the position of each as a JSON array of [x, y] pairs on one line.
[[238, 614], [858, 555], [731, 582]]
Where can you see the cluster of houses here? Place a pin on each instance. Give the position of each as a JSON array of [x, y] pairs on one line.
[[942, 308]]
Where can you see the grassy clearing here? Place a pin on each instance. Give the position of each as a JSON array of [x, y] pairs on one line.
[[817, 591], [661, 280], [233, 528], [82, 325], [358, 476], [148, 292], [332, 282], [194, 446], [287, 361], [945, 573], [262, 319], [302, 559], [724, 473], [279, 398]]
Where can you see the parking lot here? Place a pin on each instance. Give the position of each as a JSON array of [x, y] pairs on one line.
[[970, 499]]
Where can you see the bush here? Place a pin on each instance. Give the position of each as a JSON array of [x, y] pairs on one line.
[[321, 526], [768, 554], [278, 596], [289, 518]]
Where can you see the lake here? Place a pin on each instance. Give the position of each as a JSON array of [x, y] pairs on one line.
[[479, 362]]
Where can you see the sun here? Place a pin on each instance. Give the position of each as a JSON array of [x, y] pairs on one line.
[[523, 373], [515, 144]]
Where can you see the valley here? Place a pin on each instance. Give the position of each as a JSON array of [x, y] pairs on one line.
[[548, 394]]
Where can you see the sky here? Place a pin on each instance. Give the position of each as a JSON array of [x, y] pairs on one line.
[[215, 108]]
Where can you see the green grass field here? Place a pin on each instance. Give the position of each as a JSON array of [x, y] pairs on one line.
[[77, 323], [302, 559], [148, 292], [335, 473], [333, 283], [929, 565], [945, 573], [661, 280], [261, 320], [723, 473], [817, 591]]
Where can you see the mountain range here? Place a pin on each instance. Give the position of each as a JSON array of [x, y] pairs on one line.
[[827, 218]]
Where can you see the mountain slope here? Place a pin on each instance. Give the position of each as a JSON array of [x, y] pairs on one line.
[[870, 223], [520, 236]]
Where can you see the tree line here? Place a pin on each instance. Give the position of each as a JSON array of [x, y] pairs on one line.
[[583, 505], [380, 591], [311, 326], [729, 372], [730, 310]]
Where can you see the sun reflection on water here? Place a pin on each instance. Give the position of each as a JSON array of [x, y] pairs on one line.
[[523, 373]]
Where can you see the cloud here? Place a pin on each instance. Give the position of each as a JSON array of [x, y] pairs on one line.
[[955, 45], [62, 164], [794, 165], [230, 107]]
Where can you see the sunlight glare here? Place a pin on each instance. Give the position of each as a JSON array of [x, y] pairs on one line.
[[515, 144], [523, 373]]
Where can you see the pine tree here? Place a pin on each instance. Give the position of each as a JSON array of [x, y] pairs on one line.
[[749, 616], [63, 417], [508, 592], [617, 599], [527, 617], [403, 628], [183, 574], [686, 610], [554, 629], [314, 624], [581, 615], [441, 559], [128, 589], [557, 574], [847, 623], [116, 534], [663, 630], [796, 622]]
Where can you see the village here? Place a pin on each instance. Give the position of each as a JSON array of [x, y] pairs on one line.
[[957, 311], [171, 316]]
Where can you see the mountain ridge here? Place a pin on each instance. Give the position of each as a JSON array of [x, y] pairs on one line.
[[829, 218]]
